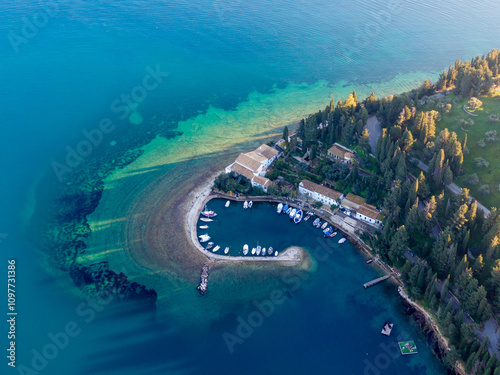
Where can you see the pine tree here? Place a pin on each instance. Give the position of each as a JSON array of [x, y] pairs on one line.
[[399, 244], [446, 286], [401, 170], [285, 133]]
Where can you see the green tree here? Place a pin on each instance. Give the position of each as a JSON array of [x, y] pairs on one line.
[[364, 141], [285, 133], [399, 244]]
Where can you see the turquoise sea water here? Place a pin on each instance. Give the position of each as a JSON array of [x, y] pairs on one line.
[[64, 75]]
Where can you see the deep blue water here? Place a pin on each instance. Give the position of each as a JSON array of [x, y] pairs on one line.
[[63, 77]]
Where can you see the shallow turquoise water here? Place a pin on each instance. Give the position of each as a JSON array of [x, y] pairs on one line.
[[66, 74]]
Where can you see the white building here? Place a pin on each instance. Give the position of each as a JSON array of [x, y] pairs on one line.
[[320, 193], [370, 215], [254, 165]]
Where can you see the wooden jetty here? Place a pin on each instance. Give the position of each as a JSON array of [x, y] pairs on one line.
[[376, 281], [204, 279]]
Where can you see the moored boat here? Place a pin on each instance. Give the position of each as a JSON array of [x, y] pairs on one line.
[[254, 250], [209, 213], [209, 246], [250, 204], [203, 226], [245, 249], [316, 222], [342, 240], [276, 253], [325, 224], [298, 217], [227, 203], [333, 234], [226, 250], [280, 208], [205, 219], [258, 250], [263, 251], [216, 248], [204, 238], [286, 209], [245, 205], [270, 251], [292, 213], [369, 261]]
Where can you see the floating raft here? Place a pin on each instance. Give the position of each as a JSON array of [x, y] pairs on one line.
[[387, 329], [408, 347], [204, 279]]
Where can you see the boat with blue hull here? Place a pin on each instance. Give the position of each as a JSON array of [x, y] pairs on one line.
[[298, 216]]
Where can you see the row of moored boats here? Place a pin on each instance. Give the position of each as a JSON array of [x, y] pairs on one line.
[[259, 251]]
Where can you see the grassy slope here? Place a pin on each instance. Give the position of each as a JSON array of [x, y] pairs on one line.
[[490, 175]]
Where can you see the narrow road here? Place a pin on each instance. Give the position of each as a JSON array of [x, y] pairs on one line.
[[373, 126], [454, 188]]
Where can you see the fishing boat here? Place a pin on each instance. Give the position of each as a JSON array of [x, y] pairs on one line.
[[270, 251], [209, 246], [203, 226], [227, 203], [286, 209], [245, 205], [280, 208], [316, 222], [258, 250], [298, 217], [204, 238], [263, 251], [276, 253], [245, 249], [209, 213], [206, 220], [216, 248], [250, 204], [328, 231], [292, 213], [226, 250], [325, 224], [342, 240], [254, 250]]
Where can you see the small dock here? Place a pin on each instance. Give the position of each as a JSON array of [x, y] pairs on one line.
[[204, 280], [376, 281]]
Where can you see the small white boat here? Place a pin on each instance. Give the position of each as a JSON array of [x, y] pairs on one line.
[[245, 249], [316, 222], [216, 248], [292, 213], [204, 238], [250, 204], [206, 220], [276, 253], [209, 213], [203, 226], [324, 225], [227, 203], [258, 250], [342, 240], [333, 234], [270, 251], [226, 250], [245, 205], [254, 250], [264, 251], [280, 208]]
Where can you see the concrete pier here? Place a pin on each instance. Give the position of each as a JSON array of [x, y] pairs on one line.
[[376, 281]]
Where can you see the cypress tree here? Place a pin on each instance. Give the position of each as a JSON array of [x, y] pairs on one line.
[[285, 133]]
